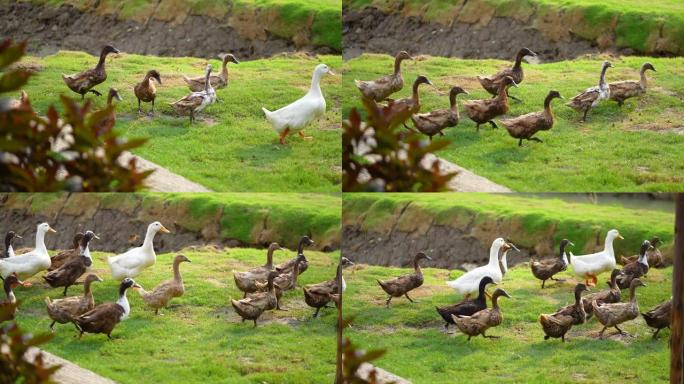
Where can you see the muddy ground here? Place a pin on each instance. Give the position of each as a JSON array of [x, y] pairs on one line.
[[449, 248], [124, 225], [49, 29], [371, 30]]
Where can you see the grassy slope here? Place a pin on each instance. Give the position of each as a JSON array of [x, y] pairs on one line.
[[639, 24], [237, 215], [628, 149], [200, 339], [419, 351], [234, 148], [576, 221], [326, 28]]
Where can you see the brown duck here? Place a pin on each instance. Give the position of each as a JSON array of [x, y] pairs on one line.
[[104, 317], [401, 110], [436, 121], [60, 258], [526, 126], [610, 295], [483, 111], [654, 256], [402, 285], [492, 83], [481, 321], [196, 84], [287, 266], [576, 310], [659, 317], [247, 281], [64, 310], [196, 101], [288, 281], [466, 307], [637, 268], [145, 91], [623, 90], [591, 97], [378, 90], [319, 295], [8, 305], [83, 82], [614, 314], [251, 307], [160, 296], [556, 325], [545, 269], [66, 275], [106, 123]]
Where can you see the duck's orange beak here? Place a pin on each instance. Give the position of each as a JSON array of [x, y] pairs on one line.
[[163, 229]]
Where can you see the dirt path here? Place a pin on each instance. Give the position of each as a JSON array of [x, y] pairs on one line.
[[51, 28], [371, 30], [163, 180], [70, 373], [465, 180], [382, 376]]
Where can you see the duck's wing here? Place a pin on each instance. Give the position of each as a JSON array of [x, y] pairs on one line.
[[101, 316], [127, 259], [585, 98]]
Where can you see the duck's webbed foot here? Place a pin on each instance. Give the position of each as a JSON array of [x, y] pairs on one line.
[[493, 124], [96, 93], [409, 299], [538, 140], [301, 134]]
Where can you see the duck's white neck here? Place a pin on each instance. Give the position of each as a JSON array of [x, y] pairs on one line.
[[86, 251], [148, 243], [504, 263], [344, 284], [643, 259], [565, 257], [123, 302], [494, 255], [40, 242], [315, 88], [608, 246]]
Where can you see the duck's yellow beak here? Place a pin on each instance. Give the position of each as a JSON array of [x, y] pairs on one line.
[[620, 237], [330, 72], [51, 230], [163, 229]]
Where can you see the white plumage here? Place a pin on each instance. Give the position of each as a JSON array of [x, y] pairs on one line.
[[30, 263], [297, 115], [132, 262], [470, 281], [589, 266]]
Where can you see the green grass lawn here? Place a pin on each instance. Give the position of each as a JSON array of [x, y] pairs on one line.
[[200, 338], [285, 17], [633, 148], [418, 350], [231, 147], [645, 26]]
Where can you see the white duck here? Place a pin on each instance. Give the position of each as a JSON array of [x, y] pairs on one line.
[[294, 117], [470, 281], [133, 261], [590, 266], [30, 263]]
